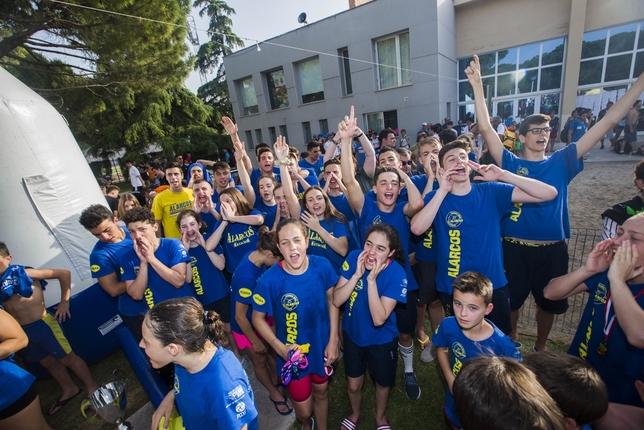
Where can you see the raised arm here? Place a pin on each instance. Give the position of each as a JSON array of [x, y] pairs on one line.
[[283, 160], [244, 177], [354, 192], [526, 190], [573, 283], [612, 117], [494, 144], [231, 129], [415, 200], [630, 315], [370, 161]]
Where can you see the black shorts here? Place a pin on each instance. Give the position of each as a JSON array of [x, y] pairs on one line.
[[381, 359], [500, 314], [425, 274], [530, 268], [20, 404], [406, 315], [222, 307]]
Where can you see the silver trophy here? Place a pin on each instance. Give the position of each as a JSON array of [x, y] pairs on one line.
[[109, 401]]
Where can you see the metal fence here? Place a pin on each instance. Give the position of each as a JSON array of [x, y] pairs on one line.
[[580, 244]]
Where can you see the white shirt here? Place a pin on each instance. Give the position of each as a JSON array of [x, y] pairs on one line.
[[135, 177]]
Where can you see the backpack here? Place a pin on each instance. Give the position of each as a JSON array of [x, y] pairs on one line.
[[564, 130], [509, 138]]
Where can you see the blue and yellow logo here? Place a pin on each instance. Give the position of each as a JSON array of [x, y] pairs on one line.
[[95, 268], [245, 293], [258, 299], [454, 219], [290, 301], [458, 350]]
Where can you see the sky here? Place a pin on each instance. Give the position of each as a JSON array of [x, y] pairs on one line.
[[261, 20]]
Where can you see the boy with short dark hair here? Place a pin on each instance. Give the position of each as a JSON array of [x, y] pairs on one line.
[[468, 334], [169, 203], [499, 393], [577, 388], [155, 268], [21, 295]]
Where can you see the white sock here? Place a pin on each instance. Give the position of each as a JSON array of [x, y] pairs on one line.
[[407, 353]]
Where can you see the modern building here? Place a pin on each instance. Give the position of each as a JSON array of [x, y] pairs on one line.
[[401, 63]]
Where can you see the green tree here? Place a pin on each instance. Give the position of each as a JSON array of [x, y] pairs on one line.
[[209, 58]]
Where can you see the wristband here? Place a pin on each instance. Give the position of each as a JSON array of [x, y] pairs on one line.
[[360, 135]]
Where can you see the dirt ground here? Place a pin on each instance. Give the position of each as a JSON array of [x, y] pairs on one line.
[[597, 187]]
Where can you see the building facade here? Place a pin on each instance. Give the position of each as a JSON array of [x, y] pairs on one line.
[[401, 64]]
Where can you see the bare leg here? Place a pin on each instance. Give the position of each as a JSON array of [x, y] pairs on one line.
[[29, 418], [260, 365], [544, 324], [321, 405], [79, 367], [303, 412], [514, 317], [59, 372], [232, 345], [420, 323], [382, 398], [354, 390], [436, 314]]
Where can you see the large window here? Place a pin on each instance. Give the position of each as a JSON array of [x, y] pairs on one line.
[[517, 81], [345, 72], [249, 139], [276, 85], [310, 80], [306, 131], [393, 61], [612, 55], [249, 99]]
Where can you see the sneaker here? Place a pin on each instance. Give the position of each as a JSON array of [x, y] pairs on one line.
[[429, 353], [518, 344], [411, 386]]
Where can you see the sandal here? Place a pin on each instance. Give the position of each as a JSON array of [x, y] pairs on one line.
[[348, 424], [384, 427], [422, 344], [61, 403], [281, 403]]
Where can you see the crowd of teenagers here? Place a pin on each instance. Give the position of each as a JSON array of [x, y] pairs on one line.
[[306, 260]]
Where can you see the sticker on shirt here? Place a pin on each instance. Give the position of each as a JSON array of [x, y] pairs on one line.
[[345, 266], [290, 302], [95, 268], [245, 293], [258, 299]]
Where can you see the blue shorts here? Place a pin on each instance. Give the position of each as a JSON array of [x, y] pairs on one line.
[[631, 137], [45, 338]]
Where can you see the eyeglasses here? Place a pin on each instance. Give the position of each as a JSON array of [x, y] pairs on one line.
[[406, 163], [539, 130]]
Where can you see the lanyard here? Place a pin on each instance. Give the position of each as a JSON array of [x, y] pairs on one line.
[[609, 321]]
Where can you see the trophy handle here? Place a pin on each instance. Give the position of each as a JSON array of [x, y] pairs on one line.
[[85, 405], [119, 375]]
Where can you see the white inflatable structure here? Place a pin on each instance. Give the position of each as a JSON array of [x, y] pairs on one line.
[[45, 184]]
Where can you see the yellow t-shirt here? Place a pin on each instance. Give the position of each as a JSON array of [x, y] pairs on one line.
[[167, 205]]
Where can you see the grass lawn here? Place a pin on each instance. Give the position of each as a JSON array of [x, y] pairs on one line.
[[70, 416], [425, 413]]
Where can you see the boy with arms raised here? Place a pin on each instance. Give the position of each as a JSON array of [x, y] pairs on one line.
[[534, 247], [21, 294], [468, 334], [467, 221], [385, 209], [113, 241]]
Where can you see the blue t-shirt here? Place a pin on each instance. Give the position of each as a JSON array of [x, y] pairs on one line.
[[14, 382], [170, 252], [299, 305], [317, 245], [357, 321], [312, 180], [468, 233], [242, 286], [269, 212], [318, 167], [210, 221], [547, 220], [237, 240], [622, 363], [426, 243], [341, 203], [208, 283], [217, 397], [461, 348], [104, 260], [397, 219], [578, 129]]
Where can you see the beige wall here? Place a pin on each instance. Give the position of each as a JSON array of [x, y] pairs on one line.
[[484, 25]]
